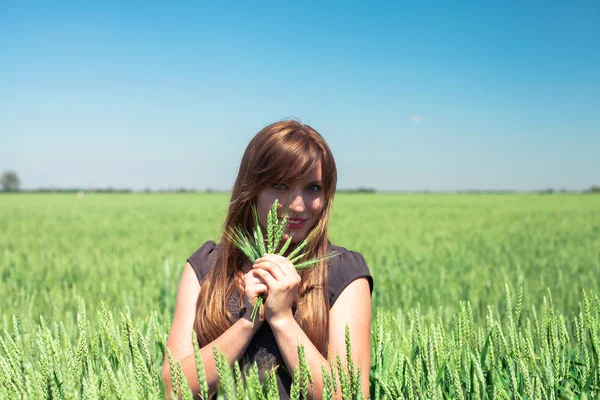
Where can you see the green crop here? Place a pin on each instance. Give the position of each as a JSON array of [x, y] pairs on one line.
[[475, 296], [542, 356]]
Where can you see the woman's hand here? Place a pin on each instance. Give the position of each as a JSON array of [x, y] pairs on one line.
[[282, 281], [254, 286]]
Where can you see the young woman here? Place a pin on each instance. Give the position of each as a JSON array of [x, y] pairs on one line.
[[219, 287]]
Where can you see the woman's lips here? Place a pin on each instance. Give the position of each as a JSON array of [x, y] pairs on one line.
[[295, 223]]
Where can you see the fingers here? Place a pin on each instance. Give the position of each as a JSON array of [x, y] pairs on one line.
[[286, 266], [273, 268], [254, 285], [266, 277], [276, 271], [257, 289], [252, 279]]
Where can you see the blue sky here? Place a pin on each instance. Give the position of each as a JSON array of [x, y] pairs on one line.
[[410, 96]]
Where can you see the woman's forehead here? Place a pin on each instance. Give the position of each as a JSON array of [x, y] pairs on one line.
[[314, 174]]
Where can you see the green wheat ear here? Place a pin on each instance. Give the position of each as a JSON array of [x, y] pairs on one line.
[[271, 226], [260, 240], [253, 244]]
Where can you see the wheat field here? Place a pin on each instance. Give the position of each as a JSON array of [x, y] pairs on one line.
[[476, 296]]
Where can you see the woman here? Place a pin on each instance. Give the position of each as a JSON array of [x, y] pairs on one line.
[[219, 287]]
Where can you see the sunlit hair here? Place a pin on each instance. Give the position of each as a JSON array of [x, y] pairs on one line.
[[285, 151]]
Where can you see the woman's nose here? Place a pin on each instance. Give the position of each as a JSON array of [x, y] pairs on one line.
[[297, 204]]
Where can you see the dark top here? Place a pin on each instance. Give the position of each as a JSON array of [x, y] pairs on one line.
[[344, 268]]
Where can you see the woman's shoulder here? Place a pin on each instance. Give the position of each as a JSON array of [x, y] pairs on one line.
[[201, 259], [343, 268], [343, 258]]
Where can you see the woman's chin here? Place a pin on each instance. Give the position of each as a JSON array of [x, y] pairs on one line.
[[295, 239]]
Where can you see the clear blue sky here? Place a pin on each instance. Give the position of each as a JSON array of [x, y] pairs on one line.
[[421, 95]]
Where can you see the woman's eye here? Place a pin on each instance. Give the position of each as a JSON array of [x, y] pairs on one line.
[[314, 188], [279, 186]]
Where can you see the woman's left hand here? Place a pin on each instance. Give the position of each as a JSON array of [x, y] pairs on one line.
[[282, 281]]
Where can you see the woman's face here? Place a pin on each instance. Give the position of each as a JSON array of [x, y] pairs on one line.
[[302, 201]]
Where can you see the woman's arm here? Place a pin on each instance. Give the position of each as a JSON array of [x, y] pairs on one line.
[[232, 343], [352, 308]]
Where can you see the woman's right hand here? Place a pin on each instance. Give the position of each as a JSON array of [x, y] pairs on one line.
[[254, 286]]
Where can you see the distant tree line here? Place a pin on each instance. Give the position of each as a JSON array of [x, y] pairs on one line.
[[357, 190], [593, 189], [77, 190], [10, 182]]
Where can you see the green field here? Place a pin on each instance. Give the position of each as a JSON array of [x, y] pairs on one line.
[[426, 253]]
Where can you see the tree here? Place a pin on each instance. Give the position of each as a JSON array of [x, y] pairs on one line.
[[10, 181], [593, 189]]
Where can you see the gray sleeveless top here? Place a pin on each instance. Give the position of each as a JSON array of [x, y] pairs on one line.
[[344, 268]]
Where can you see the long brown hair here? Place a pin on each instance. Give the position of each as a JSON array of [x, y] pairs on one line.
[[281, 152]]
